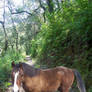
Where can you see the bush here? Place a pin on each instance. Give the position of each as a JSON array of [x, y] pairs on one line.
[[66, 38], [5, 66]]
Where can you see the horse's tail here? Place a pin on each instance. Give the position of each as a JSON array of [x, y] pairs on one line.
[[80, 82]]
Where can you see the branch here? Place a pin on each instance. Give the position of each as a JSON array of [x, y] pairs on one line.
[[2, 22], [18, 12], [42, 5], [23, 11]]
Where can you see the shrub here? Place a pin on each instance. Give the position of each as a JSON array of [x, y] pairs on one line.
[[5, 66]]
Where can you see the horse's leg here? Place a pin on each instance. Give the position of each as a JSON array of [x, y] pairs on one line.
[[60, 89], [63, 89], [67, 85]]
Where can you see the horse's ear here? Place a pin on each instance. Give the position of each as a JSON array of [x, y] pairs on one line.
[[20, 68], [13, 64], [20, 65]]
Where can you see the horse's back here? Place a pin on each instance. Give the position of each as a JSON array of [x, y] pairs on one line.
[[63, 74], [61, 70], [49, 80]]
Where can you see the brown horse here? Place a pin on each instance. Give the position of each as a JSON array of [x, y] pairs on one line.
[[44, 80]]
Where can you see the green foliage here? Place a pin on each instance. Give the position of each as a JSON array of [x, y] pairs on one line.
[[33, 48], [66, 38], [90, 90], [5, 66]]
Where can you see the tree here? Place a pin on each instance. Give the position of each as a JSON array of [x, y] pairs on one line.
[[3, 25], [50, 5]]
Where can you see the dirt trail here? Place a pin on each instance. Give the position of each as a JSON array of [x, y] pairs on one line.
[[28, 61]]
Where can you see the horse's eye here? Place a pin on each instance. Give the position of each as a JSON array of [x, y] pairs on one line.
[[13, 73]]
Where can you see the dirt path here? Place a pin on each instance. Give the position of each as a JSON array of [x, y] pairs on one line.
[[28, 61]]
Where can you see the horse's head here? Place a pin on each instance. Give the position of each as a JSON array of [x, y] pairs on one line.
[[17, 76]]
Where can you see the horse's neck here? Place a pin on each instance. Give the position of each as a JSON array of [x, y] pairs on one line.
[[31, 71]]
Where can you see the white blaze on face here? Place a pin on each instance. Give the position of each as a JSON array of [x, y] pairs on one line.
[[15, 88]]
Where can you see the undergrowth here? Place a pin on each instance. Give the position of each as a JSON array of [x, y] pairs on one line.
[[66, 39], [5, 67]]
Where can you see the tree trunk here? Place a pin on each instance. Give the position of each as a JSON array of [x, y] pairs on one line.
[[16, 32], [6, 40], [50, 5], [58, 4], [3, 25], [14, 27], [41, 5], [16, 40]]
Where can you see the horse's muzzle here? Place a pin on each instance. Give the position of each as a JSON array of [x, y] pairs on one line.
[[15, 91]]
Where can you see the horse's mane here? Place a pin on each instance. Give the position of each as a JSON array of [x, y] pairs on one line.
[[30, 70]]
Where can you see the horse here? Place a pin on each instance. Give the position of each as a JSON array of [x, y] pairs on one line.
[[44, 80]]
